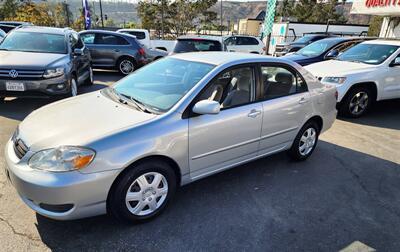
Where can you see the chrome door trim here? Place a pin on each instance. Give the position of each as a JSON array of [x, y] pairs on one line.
[[226, 148], [279, 133]]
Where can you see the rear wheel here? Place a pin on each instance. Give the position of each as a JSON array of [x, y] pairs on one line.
[[305, 141], [126, 66], [357, 102], [142, 192]]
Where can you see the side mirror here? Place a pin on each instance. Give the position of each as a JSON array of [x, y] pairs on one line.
[[332, 54], [206, 107], [395, 62], [78, 52]]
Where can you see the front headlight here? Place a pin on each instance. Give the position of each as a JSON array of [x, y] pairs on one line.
[[335, 80], [51, 73], [61, 159]]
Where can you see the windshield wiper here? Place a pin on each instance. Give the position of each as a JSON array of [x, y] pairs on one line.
[[138, 104]]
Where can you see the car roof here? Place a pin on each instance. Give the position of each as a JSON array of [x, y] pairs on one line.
[[383, 42], [219, 58], [106, 32], [342, 39], [205, 37], [43, 29]]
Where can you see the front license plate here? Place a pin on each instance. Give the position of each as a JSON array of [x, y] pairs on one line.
[[15, 86]]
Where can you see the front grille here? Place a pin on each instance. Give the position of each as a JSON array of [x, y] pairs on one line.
[[21, 74], [20, 148]]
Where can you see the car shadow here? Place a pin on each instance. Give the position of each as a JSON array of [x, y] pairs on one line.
[[384, 114], [273, 204]]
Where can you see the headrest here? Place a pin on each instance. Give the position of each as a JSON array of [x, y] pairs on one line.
[[284, 78]]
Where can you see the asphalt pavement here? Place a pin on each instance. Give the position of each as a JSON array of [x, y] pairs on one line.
[[349, 190]]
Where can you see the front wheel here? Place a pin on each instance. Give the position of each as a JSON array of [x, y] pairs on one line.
[[142, 192], [356, 103], [89, 81], [73, 89], [305, 142]]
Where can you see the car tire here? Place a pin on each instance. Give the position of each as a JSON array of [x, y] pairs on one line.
[[89, 81], [356, 103], [135, 198], [305, 142], [126, 66], [73, 88]]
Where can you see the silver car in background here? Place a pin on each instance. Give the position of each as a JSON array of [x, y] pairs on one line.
[[125, 149]]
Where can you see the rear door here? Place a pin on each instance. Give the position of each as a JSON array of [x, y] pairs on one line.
[[219, 141], [286, 104]]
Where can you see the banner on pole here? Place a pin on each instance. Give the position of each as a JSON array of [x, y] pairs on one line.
[[269, 18], [86, 14]]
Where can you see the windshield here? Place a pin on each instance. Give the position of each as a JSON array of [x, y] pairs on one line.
[[160, 85], [196, 45], [2, 33], [368, 53], [34, 42], [304, 39], [317, 48]]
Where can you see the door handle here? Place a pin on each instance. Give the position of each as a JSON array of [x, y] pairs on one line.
[[303, 100], [116, 50], [254, 113]]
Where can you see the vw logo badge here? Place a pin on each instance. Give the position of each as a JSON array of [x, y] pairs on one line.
[[13, 73]]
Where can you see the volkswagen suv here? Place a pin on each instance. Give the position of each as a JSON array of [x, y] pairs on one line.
[[54, 63]]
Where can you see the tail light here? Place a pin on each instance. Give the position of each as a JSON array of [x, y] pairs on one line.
[[141, 51]]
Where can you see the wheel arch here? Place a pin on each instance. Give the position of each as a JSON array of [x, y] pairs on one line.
[[318, 120], [125, 57], [160, 158], [371, 85]]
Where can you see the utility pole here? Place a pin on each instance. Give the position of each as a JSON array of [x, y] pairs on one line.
[[221, 18], [66, 13], [101, 15]]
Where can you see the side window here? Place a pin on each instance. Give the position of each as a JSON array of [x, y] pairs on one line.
[[88, 38], [232, 88], [230, 41], [76, 41], [279, 82], [109, 39]]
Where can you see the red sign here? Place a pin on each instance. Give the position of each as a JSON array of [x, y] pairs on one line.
[[381, 3]]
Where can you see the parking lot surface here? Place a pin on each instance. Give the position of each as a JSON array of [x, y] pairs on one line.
[[347, 191]]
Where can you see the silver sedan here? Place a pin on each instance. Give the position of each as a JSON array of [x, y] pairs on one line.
[[126, 149]]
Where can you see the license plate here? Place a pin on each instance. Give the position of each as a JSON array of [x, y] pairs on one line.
[[15, 86]]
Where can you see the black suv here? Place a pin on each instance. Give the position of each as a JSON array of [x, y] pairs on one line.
[[283, 49], [43, 62]]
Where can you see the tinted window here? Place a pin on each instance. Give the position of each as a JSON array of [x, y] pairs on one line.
[[230, 41], [231, 88], [196, 45], [317, 48], [368, 53], [139, 35], [88, 38], [279, 81], [163, 83], [34, 42], [247, 41], [109, 39]]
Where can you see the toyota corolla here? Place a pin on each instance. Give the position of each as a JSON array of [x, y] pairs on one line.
[[127, 148]]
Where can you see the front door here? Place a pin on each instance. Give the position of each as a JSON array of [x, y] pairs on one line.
[[217, 142], [391, 86]]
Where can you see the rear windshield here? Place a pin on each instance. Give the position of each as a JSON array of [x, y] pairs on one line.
[[139, 35], [197, 45]]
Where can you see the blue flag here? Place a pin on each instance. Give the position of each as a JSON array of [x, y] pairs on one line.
[[86, 14]]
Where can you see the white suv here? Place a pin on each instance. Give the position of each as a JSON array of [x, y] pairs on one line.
[[247, 44], [365, 73]]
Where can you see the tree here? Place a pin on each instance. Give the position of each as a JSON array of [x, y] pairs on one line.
[[285, 9], [38, 14], [9, 9], [63, 15], [317, 11], [375, 26]]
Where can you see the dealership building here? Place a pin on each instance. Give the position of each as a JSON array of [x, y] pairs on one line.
[[389, 9]]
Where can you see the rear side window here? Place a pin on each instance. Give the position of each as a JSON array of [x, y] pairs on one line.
[[197, 45], [139, 35], [247, 41], [88, 38], [279, 82], [109, 39]]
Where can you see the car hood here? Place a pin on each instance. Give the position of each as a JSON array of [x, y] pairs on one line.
[[28, 60], [296, 57], [78, 121], [336, 68]]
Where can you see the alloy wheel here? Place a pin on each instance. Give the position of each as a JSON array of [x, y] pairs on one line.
[[126, 67], [358, 103], [147, 193], [307, 141]]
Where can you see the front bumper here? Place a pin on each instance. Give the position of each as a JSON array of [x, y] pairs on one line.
[[37, 88], [62, 195]]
